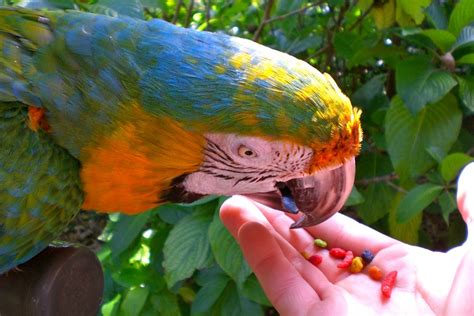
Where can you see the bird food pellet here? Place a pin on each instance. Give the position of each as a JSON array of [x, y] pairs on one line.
[[305, 255], [346, 262], [337, 253], [367, 256], [315, 259], [388, 283], [320, 243], [375, 273], [356, 265]]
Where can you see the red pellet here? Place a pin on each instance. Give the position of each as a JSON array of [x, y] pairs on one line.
[[375, 273], [315, 259], [388, 283], [337, 253], [346, 262]]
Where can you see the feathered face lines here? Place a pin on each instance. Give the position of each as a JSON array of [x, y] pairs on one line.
[[240, 164]]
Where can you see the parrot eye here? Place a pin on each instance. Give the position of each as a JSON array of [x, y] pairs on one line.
[[246, 152]]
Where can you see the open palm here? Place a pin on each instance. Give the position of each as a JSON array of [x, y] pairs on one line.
[[427, 283]]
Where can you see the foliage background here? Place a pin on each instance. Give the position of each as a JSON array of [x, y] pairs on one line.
[[408, 64]]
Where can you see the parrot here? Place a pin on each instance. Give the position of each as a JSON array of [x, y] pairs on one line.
[[116, 114]]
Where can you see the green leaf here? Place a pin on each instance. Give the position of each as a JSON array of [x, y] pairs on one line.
[[134, 301], [447, 202], [347, 43], [462, 15], [465, 38], [384, 14], [166, 303], [408, 137], [414, 8], [187, 247], [227, 253], [466, 59], [233, 303], [443, 39], [419, 83], [466, 90], [129, 277], [209, 294], [300, 45], [436, 13], [253, 291], [416, 200], [371, 95], [111, 307], [126, 230], [406, 232], [47, 4], [452, 164], [436, 153], [354, 198], [378, 196], [172, 213]]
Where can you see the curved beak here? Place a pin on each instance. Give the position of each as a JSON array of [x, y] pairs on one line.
[[317, 196]]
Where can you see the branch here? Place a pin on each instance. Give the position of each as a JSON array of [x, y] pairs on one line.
[[208, 12], [266, 16], [386, 178], [297, 11], [189, 13], [176, 11], [396, 187], [361, 17], [332, 31]]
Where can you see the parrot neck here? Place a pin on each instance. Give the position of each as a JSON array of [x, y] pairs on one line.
[[128, 170]]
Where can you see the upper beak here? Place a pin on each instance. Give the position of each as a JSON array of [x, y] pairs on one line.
[[317, 196]]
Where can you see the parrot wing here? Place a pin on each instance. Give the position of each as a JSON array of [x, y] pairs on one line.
[[40, 188]]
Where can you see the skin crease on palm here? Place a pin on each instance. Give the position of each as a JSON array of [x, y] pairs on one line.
[[428, 283]]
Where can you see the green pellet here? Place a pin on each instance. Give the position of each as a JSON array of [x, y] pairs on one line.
[[320, 243]]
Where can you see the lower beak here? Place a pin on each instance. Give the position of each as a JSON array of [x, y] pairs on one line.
[[317, 196]]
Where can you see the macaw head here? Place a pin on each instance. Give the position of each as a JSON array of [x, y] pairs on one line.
[[274, 127]]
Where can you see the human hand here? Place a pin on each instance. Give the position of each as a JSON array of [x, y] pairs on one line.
[[428, 282]]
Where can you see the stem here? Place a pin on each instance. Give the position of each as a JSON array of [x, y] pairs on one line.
[[208, 12], [297, 11], [176, 11], [361, 17], [189, 13], [266, 16], [384, 178]]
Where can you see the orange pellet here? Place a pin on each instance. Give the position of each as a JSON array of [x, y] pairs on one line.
[[356, 265], [375, 273]]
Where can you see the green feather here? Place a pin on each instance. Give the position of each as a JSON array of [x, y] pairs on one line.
[[40, 188]]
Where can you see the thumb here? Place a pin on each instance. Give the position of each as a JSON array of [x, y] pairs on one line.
[[465, 195]]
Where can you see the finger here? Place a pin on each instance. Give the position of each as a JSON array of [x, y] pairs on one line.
[[239, 210], [465, 194], [315, 276], [280, 280], [338, 231]]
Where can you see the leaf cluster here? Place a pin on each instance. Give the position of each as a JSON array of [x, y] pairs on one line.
[[408, 64]]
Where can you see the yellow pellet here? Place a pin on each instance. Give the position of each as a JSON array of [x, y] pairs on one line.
[[356, 265], [305, 255]]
